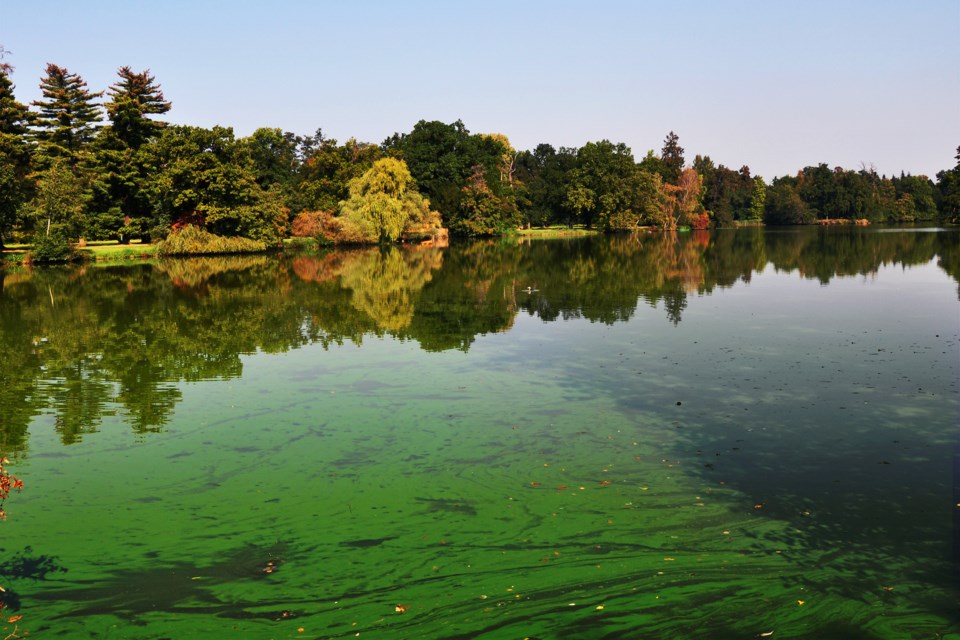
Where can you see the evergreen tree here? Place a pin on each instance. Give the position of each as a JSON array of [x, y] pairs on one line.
[[14, 152], [14, 116], [132, 99], [118, 208], [67, 113], [672, 157]]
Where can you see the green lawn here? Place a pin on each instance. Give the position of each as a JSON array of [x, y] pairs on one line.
[[556, 231], [96, 251], [113, 251]]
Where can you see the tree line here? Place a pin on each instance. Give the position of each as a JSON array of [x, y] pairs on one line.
[[102, 165]]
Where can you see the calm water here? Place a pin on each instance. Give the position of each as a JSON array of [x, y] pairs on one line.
[[693, 436]]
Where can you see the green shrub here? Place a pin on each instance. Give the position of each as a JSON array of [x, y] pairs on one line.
[[192, 240], [50, 248], [158, 232]]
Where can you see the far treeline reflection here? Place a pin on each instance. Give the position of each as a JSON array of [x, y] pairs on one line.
[[77, 342]]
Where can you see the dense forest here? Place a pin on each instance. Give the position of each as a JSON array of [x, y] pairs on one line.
[[99, 165]]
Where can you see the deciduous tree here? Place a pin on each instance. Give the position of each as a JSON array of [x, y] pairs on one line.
[[327, 169], [205, 177], [384, 203], [683, 203], [58, 207], [482, 212], [758, 198], [948, 182]]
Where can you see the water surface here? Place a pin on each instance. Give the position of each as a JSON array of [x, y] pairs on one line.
[[704, 435]]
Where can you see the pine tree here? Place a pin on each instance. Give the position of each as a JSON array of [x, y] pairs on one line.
[[67, 113], [118, 207], [14, 151], [672, 157], [132, 99], [13, 115]]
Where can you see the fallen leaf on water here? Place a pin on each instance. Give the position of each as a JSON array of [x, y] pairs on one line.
[[401, 608], [14, 618]]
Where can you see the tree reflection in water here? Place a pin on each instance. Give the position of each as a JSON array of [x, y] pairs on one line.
[[82, 342]]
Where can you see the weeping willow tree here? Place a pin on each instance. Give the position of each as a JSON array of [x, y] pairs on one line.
[[384, 204]]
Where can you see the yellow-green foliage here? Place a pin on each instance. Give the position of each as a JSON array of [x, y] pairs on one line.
[[192, 240], [384, 204]]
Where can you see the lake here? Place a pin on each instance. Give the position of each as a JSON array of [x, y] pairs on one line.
[[729, 434]]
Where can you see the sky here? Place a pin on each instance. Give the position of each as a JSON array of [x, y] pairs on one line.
[[773, 85]]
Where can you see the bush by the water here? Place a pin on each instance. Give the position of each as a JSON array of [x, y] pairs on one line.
[[51, 248], [192, 240]]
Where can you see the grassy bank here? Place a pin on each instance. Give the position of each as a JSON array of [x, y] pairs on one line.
[[96, 252], [556, 231], [113, 252]]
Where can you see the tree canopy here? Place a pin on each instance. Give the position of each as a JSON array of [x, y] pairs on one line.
[[384, 204], [132, 99], [67, 115]]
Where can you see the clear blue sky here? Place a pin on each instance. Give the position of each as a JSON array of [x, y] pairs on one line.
[[775, 85]]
